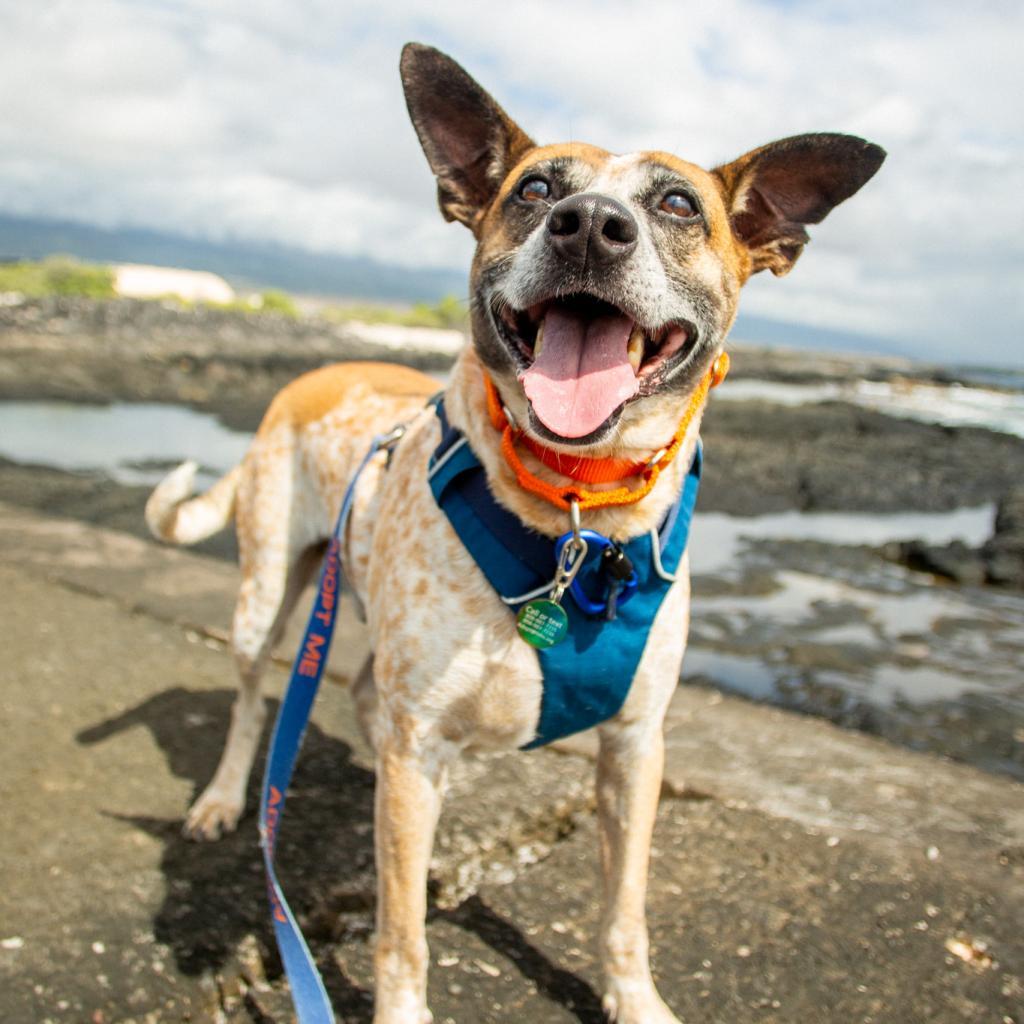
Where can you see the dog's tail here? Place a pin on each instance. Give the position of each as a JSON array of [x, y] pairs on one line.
[[172, 518]]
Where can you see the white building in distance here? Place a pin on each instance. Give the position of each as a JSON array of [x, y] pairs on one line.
[[136, 281]]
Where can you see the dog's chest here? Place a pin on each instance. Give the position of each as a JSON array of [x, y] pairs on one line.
[[445, 646]]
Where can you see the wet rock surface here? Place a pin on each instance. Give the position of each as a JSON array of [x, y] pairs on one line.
[[999, 561], [838, 632], [1004, 553]]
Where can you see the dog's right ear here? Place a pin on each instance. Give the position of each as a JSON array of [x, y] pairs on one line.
[[470, 142]]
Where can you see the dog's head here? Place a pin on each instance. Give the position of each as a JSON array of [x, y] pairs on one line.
[[603, 286]]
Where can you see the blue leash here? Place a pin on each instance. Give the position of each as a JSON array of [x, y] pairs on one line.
[[308, 993]]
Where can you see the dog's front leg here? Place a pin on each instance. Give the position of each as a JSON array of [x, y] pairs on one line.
[[410, 783], [628, 787]]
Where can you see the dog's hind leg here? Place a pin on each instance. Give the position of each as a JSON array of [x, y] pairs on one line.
[[628, 788], [266, 599]]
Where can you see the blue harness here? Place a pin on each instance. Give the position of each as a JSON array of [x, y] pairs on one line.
[[587, 677]]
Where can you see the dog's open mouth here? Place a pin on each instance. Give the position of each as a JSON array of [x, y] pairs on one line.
[[582, 358]]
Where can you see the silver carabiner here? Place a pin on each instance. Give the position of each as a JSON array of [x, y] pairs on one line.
[[571, 557]]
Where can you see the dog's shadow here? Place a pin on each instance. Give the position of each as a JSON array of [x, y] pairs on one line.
[[216, 892]]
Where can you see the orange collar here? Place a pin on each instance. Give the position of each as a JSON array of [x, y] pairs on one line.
[[594, 471]]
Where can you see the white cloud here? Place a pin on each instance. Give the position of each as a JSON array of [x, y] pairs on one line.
[[285, 121]]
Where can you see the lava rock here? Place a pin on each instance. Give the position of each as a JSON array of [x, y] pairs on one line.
[[1004, 553], [954, 561]]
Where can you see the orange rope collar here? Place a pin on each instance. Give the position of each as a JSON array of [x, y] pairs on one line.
[[592, 471]]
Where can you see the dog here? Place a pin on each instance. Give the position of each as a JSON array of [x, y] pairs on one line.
[[602, 291]]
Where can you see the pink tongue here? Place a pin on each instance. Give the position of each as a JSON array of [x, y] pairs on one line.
[[582, 373]]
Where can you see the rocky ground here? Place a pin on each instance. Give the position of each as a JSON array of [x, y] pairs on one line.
[[999, 561], [799, 872]]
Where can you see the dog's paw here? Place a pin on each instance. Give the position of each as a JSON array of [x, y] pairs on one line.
[[211, 816], [630, 1003]]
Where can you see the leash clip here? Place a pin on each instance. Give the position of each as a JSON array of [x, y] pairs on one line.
[[386, 442], [571, 557], [572, 552]]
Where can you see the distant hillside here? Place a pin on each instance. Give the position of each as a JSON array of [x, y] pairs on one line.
[[248, 265], [255, 266], [759, 330]]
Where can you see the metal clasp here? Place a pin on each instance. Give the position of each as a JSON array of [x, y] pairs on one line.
[[385, 442], [571, 556]]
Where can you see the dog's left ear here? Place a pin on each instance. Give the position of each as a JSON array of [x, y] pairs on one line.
[[470, 142], [772, 192]]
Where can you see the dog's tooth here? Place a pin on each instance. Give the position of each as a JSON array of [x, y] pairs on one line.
[[635, 349], [538, 343]]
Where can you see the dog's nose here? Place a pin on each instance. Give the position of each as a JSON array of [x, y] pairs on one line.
[[589, 226]]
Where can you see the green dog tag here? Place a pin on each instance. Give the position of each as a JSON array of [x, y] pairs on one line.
[[542, 623]]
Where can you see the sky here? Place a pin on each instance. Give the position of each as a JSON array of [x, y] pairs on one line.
[[284, 121]]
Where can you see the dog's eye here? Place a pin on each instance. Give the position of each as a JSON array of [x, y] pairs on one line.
[[678, 205], [534, 188]]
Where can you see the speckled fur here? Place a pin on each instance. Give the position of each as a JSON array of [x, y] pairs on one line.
[[449, 671]]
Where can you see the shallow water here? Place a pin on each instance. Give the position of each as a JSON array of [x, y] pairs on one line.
[[865, 643], [134, 443], [717, 539]]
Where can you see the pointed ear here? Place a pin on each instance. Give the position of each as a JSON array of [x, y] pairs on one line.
[[470, 142], [772, 192]]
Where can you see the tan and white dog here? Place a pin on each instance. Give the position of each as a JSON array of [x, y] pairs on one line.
[[602, 290]]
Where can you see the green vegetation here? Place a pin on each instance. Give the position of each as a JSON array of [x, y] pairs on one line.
[[449, 312], [57, 275], [277, 302]]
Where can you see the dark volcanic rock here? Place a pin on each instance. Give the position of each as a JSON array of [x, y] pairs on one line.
[[226, 361], [1004, 553], [1000, 560], [761, 457], [764, 458], [955, 561]]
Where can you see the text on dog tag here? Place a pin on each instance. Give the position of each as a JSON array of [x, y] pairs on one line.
[[542, 623]]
